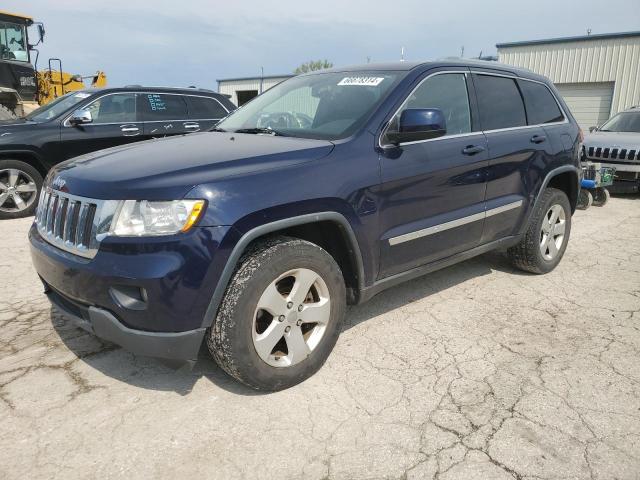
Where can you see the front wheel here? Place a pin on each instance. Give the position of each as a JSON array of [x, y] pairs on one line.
[[547, 234], [20, 184], [281, 314]]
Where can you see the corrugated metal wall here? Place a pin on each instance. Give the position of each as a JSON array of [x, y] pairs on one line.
[[232, 86], [599, 60]]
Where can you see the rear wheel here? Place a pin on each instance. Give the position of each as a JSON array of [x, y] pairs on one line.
[[585, 199], [281, 315], [600, 197], [20, 184], [547, 235]]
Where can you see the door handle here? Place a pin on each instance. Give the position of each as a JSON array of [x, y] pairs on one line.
[[538, 138], [192, 126], [130, 130], [472, 149]]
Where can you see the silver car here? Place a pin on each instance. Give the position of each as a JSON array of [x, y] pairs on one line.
[[616, 143]]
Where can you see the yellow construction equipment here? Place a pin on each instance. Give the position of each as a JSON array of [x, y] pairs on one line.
[[22, 87], [55, 83]]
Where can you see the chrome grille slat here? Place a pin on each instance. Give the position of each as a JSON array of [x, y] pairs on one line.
[[71, 209], [72, 223], [82, 220]]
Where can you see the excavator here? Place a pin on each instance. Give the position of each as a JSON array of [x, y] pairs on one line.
[[22, 87]]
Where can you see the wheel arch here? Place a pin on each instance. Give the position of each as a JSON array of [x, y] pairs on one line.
[[330, 230], [565, 178], [25, 156]]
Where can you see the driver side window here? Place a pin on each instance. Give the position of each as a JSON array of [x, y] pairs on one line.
[[447, 92], [118, 108]]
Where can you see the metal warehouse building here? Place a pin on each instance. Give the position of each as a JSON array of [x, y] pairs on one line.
[[241, 90], [598, 75]]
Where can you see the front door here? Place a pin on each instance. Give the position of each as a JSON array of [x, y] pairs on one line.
[[433, 191], [115, 121]]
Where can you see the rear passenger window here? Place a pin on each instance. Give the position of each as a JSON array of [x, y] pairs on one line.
[[158, 106], [205, 108], [448, 92], [499, 102], [541, 106]]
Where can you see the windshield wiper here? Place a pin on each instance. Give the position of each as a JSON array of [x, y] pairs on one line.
[[217, 129], [259, 130]]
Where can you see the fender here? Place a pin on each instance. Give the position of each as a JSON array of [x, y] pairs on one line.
[[37, 163], [545, 182], [248, 237]]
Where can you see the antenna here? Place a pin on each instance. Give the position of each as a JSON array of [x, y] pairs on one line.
[[462, 51], [368, 59], [402, 54]]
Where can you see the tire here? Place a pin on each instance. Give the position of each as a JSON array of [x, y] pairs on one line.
[[547, 234], [585, 199], [257, 309], [6, 113], [20, 185], [601, 197]]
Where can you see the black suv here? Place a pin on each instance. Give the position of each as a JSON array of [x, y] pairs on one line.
[[88, 120]]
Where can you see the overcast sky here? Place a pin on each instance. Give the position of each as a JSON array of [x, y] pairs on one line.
[[195, 42]]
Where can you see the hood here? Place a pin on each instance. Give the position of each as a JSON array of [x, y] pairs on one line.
[[619, 140], [168, 168], [10, 128]]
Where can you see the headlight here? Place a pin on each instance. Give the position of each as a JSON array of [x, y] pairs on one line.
[[136, 218]]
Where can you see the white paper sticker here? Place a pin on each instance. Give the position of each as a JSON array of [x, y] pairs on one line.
[[82, 95], [361, 81]]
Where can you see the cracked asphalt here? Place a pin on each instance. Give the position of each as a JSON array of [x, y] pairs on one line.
[[473, 372]]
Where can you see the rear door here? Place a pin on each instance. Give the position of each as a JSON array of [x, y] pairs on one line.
[[514, 146], [433, 190], [204, 112], [115, 121], [164, 114]]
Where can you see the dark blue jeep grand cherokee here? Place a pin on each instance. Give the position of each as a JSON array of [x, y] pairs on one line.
[[319, 193]]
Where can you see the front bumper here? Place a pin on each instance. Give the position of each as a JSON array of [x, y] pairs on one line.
[[175, 275], [102, 323]]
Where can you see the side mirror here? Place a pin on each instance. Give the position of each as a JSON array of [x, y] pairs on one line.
[[418, 124], [80, 117], [41, 32], [593, 129]]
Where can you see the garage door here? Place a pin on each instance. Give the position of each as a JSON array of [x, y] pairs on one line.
[[590, 103]]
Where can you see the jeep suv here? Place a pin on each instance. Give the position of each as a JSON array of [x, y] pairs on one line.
[[319, 193], [84, 121], [617, 144]]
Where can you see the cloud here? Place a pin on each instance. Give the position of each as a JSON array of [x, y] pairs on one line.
[[193, 42]]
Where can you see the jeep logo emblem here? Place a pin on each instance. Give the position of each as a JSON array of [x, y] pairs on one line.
[[58, 183]]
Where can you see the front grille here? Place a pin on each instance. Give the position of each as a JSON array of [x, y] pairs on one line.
[[70, 222], [600, 153]]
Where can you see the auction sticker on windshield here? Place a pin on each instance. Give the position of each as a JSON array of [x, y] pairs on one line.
[[362, 81]]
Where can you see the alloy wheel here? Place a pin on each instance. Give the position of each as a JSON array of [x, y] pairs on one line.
[[17, 190], [291, 317], [552, 232]]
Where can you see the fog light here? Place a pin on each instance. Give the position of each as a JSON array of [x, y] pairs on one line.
[[129, 297]]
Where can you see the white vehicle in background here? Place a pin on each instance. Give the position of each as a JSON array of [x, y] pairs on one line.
[[616, 143]]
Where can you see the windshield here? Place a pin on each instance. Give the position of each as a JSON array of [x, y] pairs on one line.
[[623, 122], [57, 106], [326, 106], [13, 42]]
